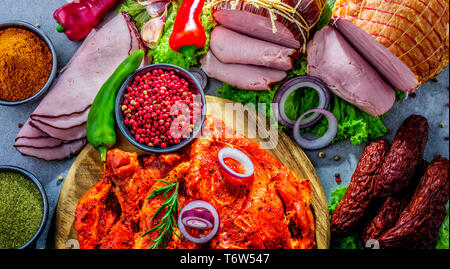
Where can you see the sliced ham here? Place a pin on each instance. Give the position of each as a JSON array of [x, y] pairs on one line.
[[247, 77], [54, 153], [92, 64], [74, 133], [63, 122], [407, 41], [28, 131], [231, 47], [57, 128], [347, 74], [38, 142], [244, 17], [33, 137]]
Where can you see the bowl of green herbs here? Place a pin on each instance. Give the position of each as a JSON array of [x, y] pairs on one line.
[[23, 208]]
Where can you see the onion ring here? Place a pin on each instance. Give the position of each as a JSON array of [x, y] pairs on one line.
[[199, 204], [292, 85], [198, 219], [322, 141], [238, 156], [200, 76]]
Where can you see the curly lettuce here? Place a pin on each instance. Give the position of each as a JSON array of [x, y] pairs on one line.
[[442, 241], [137, 12]]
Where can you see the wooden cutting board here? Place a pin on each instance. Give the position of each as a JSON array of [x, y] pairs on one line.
[[88, 169]]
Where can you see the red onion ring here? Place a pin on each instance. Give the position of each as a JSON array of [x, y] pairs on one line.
[[238, 156], [292, 85], [322, 141], [200, 76], [198, 219], [205, 206]]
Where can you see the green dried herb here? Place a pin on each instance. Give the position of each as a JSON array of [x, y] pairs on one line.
[[21, 210]]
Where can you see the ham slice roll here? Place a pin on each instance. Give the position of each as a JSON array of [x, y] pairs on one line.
[[231, 47]]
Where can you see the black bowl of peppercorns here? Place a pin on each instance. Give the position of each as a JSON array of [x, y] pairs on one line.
[[160, 108]]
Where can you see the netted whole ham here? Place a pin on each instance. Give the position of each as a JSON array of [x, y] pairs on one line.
[[407, 41], [286, 22]]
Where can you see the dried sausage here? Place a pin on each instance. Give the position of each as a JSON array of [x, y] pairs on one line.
[[392, 207], [357, 199], [419, 223], [404, 157]]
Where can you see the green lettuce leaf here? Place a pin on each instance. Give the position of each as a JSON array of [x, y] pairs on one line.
[[442, 241], [326, 15], [137, 12]]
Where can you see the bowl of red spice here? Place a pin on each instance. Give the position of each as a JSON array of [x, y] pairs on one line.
[[28, 63], [160, 108]]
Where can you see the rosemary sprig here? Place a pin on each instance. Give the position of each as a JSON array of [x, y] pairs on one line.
[[167, 222]]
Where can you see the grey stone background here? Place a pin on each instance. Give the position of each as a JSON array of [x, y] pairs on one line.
[[431, 101]]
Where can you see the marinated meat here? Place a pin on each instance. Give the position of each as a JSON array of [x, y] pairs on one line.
[[272, 209]]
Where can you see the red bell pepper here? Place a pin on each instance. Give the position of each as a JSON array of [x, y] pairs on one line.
[[188, 29], [77, 19]]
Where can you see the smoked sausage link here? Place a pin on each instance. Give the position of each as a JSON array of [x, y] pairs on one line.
[[419, 223], [357, 199], [392, 207], [405, 156]]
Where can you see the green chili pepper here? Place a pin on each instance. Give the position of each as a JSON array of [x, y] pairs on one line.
[[101, 120]]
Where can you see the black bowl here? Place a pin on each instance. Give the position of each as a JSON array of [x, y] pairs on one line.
[[40, 34], [30, 176], [195, 88]]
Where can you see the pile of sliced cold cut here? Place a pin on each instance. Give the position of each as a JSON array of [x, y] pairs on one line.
[[57, 128], [395, 197], [249, 50], [379, 45]]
